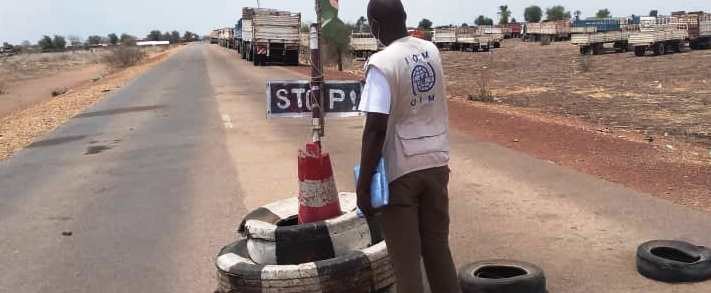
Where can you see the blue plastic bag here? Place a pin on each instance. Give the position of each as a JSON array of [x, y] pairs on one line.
[[379, 189]]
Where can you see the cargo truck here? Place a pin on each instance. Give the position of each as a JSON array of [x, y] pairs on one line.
[[364, 45], [549, 30], [469, 39], [699, 28], [593, 34], [269, 36], [445, 38], [594, 43], [659, 35]]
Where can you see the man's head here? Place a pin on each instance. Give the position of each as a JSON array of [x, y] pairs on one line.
[[387, 20]]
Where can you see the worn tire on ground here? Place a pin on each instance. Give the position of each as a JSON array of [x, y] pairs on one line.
[[270, 242], [364, 271], [502, 276], [674, 261]]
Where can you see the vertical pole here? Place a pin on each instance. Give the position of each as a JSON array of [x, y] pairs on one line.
[[317, 78]]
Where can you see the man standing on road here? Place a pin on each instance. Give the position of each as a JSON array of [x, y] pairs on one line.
[[406, 125]]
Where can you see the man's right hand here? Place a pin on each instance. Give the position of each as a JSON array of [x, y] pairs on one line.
[[364, 200]]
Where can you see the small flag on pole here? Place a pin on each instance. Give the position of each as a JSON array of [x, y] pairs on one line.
[[332, 28]]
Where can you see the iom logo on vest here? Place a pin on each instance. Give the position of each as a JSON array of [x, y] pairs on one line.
[[423, 79]]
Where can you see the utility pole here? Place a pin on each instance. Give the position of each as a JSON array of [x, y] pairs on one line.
[[317, 78]]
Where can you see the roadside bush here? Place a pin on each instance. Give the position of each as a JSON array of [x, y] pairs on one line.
[[483, 93], [123, 57]]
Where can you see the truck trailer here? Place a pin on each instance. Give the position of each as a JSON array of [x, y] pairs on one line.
[[549, 30], [445, 38], [469, 39], [364, 45], [659, 35], [699, 28], [269, 36]]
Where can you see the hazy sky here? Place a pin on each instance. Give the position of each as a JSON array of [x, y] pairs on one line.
[[30, 19]]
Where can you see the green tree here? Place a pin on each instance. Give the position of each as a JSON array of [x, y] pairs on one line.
[[154, 35], [557, 12], [362, 25], [513, 20], [46, 43], [654, 13], [113, 38], [94, 40], [483, 20], [127, 40], [59, 43], [189, 36], [603, 13], [174, 37], [7, 46], [425, 24], [465, 24], [577, 14], [504, 14], [305, 27], [533, 14]]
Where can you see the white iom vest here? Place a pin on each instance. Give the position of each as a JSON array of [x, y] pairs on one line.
[[417, 137]]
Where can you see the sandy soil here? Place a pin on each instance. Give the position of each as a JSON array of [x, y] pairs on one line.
[[18, 129], [26, 92]]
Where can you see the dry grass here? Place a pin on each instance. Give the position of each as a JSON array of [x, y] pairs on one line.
[[123, 57], [35, 65], [653, 95]]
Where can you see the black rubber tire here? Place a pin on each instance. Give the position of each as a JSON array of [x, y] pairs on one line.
[[659, 49], [674, 261], [363, 271], [640, 51], [502, 276], [243, 53], [585, 50]]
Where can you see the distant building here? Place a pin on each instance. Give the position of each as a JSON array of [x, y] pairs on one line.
[[153, 43]]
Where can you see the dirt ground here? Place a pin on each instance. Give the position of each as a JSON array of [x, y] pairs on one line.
[[37, 112], [642, 122], [656, 96]]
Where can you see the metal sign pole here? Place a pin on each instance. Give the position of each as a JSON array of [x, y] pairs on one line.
[[317, 78]]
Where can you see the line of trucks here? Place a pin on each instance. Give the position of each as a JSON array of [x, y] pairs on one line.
[[263, 36], [658, 35]]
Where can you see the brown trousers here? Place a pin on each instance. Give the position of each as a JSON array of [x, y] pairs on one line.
[[416, 226]]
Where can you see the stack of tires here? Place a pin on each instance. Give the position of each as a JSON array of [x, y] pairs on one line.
[[274, 254]]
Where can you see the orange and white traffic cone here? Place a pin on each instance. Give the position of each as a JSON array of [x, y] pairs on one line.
[[318, 197]]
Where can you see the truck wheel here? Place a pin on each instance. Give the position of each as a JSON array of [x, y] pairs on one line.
[[640, 50], [584, 50], [659, 49], [677, 48], [257, 60]]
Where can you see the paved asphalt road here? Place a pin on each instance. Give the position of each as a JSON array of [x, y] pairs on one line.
[[154, 179]]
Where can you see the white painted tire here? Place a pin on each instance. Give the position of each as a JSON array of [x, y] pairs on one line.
[[271, 244], [361, 271]]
